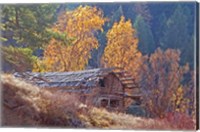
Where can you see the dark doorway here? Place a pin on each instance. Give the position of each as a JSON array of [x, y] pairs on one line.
[[104, 102], [114, 103]]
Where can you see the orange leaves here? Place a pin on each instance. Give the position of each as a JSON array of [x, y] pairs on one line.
[[79, 24], [122, 28], [121, 49], [82, 20], [180, 103], [161, 76]]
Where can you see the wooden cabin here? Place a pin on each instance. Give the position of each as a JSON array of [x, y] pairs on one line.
[[102, 87]]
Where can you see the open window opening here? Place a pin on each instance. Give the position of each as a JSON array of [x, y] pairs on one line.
[[104, 103], [101, 83], [114, 103]]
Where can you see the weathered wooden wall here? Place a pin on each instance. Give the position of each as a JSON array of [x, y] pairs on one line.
[[112, 88], [112, 85]]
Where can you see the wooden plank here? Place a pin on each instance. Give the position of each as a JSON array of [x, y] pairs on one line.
[[128, 83], [134, 90], [126, 78], [129, 96], [130, 87], [123, 77]]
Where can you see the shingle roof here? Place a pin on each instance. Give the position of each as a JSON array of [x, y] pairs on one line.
[[86, 78]]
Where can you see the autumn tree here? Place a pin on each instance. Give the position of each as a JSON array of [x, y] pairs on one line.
[[189, 89], [95, 60], [80, 25], [121, 50], [161, 76]]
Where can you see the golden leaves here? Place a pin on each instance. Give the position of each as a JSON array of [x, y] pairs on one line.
[[80, 24], [121, 49], [181, 103]]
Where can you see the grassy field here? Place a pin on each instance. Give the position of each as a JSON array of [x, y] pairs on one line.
[[25, 105]]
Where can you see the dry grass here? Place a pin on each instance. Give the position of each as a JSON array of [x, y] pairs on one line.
[[27, 105], [100, 118], [38, 107], [19, 102]]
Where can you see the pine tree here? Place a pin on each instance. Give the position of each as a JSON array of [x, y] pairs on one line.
[[17, 59], [177, 36], [143, 10], [145, 36], [26, 25]]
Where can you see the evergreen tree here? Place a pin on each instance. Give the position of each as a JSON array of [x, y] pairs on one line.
[[161, 26], [17, 59], [177, 36], [146, 40], [115, 17], [143, 10], [27, 24]]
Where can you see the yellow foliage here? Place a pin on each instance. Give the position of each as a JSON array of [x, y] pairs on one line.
[[80, 24], [179, 101], [121, 50]]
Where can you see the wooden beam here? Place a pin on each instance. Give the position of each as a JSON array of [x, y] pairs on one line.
[[134, 91], [130, 87], [128, 83], [127, 76], [123, 76], [128, 80], [134, 96]]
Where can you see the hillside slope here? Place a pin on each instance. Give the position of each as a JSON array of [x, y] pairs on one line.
[[28, 105]]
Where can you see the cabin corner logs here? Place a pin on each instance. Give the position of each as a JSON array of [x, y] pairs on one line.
[[103, 87]]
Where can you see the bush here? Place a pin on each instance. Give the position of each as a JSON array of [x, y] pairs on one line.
[[181, 121], [136, 110]]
